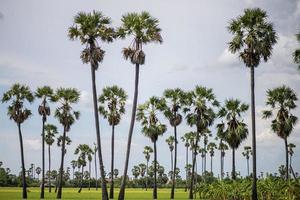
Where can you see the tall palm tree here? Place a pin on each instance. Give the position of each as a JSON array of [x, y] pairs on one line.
[[211, 149], [147, 151], [170, 141], [89, 28], [74, 165], [84, 153], [66, 117], [205, 136], [38, 170], [174, 100], [296, 53], [50, 131], [152, 127], [281, 101], [144, 29], [200, 114], [46, 94], [143, 168], [202, 152], [253, 39], [112, 107], [136, 171], [246, 153], [90, 158], [18, 95], [186, 139], [222, 147], [235, 131], [95, 159]]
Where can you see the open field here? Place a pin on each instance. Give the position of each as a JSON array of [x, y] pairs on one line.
[[10, 193]]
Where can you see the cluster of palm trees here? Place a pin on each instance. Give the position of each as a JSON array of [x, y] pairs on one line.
[[253, 40]]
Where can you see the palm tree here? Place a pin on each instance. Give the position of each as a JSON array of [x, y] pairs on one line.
[[74, 165], [222, 147], [152, 127], [170, 141], [205, 136], [253, 38], [211, 149], [95, 158], [147, 151], [112, 107], [116, 173], [291, 147], [296, 53], [234, 130], [202, 152], [200, 113], [50, 131], [90, 158], [144, 29], [18, 95], [281, 101], [246, 153], [136, 171], [45, 93], [38, 170], [89, 28], [174, 100], [84, 152], [66, 117], [186, 139]]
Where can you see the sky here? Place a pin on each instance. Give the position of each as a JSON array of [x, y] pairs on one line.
[[35, 50]]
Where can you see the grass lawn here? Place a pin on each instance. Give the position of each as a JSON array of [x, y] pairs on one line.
[[10, 193]]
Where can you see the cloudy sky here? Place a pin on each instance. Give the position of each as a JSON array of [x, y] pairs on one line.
[[36, 51]]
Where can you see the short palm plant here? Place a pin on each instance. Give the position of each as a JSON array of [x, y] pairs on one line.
[[282, 101], [170, 142], [147, 152], [186, 139], [18, 95], [211, 147], [38, 170], [73, 165], [136, 171], [152, 127], [66, 117], [247, 153], [112, 107], [144, 30], [234, 129], [222, 148], [296, 53]]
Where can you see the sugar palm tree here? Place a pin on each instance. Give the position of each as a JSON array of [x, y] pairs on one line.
[[296, 53], [235, 131], [222, 148], [38, 170], [246, 153], [152, 127], [66, 117], [74, 165], [202, 152], [116, 173], [18, 95], [112, 107], [84, 153], [89, 28], [291, 147], [205, 136], [135, 171], [211, 150], [45, 93], [51, 131], [253, 39], [170, 141], [281, 101], [143, 168], [186, 139], [174, 100], [144, 29], [200, 114], [90, 158], [95, 159], [147, 152]]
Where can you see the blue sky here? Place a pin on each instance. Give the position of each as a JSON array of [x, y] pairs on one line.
[[36, 51]]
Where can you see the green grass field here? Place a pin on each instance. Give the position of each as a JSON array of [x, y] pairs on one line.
[[10, 193]]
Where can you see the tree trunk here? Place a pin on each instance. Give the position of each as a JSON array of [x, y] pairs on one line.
[[155, 172], [221, 164], [186, 170], [290, 171], [233, 164], [111, 192], [103, 181], [96, 171], [211, 164], [59, 193], [175, 163], [49, 165], [204, 159], [89, 175], [24, 185], [248, 166], [81, 179], [147, 176], [43, 159], [286, 159], [254, 187], [123, 183], [193, 169]]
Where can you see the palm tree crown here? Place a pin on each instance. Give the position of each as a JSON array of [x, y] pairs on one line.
[[51, 131]]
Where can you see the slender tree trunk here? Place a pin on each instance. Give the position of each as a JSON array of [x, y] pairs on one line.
[[175, 163], [221, 163], [123, 182], [56, 183], [81, 179], [248, 166], [43, 158], [89, 175], [286, 159], [211, 164], [147, 175], [171, 157], [254, 187], [290, 171], [204, 158], [186, 170], [111, 192], [96, 171], [233, 164], [49, 165], [193, 169], [59, 193], [103, 181], [24, 185], [155, 172]]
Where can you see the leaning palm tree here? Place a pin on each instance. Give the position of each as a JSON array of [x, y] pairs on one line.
[[147, 151], [170, 141], [112, 107], [89, 28], [253, 38], [246, 153], [235, 131], [200, 114], [66, 117], [152, 127], [296, 53], [46, 94], [144, 29], [50, 131], [282, 101], [174, 101], [211, 149], [18, 95]]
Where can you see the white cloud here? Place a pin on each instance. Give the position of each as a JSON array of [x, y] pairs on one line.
[[33, 144]]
